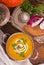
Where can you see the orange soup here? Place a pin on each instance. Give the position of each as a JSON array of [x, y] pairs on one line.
[[19, 46]]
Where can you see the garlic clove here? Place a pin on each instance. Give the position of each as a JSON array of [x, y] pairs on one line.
[[24, 17]]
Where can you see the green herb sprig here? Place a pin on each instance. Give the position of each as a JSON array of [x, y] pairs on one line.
[[32, 10], [14, 45], [26, 6], [22, 54], [24, 41], [37, 10]]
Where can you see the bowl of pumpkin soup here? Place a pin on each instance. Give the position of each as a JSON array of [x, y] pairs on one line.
[[19, 46]]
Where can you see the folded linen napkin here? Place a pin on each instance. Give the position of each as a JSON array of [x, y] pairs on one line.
[[4, 59]]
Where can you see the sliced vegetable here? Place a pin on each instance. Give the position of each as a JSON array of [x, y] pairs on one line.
[[35, 20]]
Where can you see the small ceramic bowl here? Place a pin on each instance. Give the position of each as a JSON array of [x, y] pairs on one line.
[[4, 12], [19, 18]]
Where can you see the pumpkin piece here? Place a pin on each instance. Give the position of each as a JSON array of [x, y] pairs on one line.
[[12, 3]]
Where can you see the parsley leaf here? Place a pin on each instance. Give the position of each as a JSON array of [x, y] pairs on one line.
[[13, 45], [22, 54], [32, 10], [26, 6], [24, 41]]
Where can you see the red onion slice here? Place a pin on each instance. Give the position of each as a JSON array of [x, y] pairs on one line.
[[35, 20]]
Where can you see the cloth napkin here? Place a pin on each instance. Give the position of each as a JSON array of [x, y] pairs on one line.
[[4, 59]]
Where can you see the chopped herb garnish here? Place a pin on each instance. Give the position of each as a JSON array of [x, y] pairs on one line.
[[22, 54], [13, 45], [24, 41], [32, 10]]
